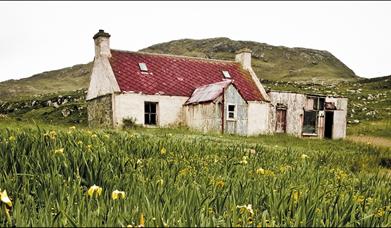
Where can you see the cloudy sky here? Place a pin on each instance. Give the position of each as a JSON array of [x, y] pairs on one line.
[[42, 36]]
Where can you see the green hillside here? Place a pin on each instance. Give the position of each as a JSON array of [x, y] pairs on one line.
[[269, 62], [62, 80]]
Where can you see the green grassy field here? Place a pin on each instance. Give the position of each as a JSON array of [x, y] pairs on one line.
[[175, 177]]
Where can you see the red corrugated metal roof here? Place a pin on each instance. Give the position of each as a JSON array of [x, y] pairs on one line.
[[177, 75]]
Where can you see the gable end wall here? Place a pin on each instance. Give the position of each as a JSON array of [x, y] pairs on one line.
[[100, 112]]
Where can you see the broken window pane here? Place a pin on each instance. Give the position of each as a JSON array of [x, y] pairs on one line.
[[315, 103], [321, 103], [309, 124]]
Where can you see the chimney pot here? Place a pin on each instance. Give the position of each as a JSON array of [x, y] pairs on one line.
[[101, 33], [102, 44]]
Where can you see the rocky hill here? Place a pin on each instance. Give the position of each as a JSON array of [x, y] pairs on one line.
[[269, 62]]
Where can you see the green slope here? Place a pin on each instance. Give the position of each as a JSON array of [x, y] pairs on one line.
[[269, 62], [62, 80]]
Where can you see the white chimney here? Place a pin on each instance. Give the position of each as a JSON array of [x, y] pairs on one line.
[[243, 56], [102, 44]]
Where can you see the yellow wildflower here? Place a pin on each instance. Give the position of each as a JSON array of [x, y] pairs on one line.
[[118, 195], [52, 134], [340, 174], [94, 190], [160, 182], [72, 128], [220, 183], [295, 196], [359, 199], [317, 210], [379, 213], [184, 172], [244, 160], [89, 146], [260, 171], [4, 198], [94, 136], [139, 162], [304, 156], [59, 151], [248, 209], [163, 151], [12, 138], [79, 142], [265, 172], [141, 220]]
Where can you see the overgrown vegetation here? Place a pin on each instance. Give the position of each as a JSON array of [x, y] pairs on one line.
[[172, 178]]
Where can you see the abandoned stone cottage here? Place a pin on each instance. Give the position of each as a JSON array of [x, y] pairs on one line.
[[203, 94]]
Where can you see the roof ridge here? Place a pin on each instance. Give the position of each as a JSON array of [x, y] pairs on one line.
[[176, 56]]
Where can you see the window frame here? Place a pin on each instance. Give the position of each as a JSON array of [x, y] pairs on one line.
[[150, 113], [315, 124], [235, 111]]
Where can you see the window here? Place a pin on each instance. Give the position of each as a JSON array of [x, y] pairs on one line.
[[231, 112], [315, 103], [226, 74], [309, 123], [150, 113], [143, 67]]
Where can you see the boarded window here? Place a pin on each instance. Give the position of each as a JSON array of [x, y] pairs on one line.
[[150, 114], [309, 124], [231, 112]]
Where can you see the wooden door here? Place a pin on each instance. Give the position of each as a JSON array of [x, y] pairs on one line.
[[281, 121], [339, 126]]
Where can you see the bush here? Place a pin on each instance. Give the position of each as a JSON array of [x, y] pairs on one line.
[[130, 123]]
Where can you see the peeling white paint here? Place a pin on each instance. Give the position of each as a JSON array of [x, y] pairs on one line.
[[258, 117]]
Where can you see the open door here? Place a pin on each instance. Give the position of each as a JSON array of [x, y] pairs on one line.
[[281, 121], [329, 122]]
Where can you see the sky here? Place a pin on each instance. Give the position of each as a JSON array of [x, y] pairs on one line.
[[42, 36]]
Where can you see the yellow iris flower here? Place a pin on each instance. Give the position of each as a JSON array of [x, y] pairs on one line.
[[4, 198], [94, 190], [118, 195]]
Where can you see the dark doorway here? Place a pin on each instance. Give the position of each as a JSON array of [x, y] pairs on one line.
[[328, 128], [281, 121], [150, 113]]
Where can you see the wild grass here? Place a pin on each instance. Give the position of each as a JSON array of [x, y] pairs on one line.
[[173, 178]]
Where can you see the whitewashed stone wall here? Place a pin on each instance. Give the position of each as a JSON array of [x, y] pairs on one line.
[[169, 108], [294, 113], [258, 118]]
